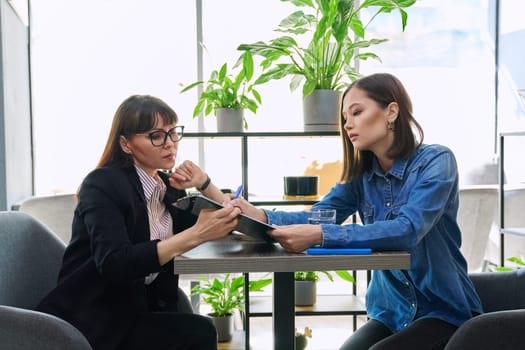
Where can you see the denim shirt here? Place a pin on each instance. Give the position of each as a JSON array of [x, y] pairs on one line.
[[412, 207]]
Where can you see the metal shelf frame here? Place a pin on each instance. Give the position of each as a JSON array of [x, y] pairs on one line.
[[501, 194], [354, 310], [244, 136]]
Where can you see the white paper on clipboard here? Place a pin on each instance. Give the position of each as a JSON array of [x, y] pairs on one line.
[[247, 225]]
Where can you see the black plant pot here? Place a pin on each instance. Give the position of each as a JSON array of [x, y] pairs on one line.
[[301, 186]]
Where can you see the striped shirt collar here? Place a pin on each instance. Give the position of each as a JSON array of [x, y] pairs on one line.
[[149, 183]]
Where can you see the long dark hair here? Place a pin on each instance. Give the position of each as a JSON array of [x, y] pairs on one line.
[[383, 88], [136, 114]]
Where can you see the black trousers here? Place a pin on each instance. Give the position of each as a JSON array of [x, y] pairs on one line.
[[423, 334], [172, 331]]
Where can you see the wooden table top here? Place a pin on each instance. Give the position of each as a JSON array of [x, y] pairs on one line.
[[239, 253]]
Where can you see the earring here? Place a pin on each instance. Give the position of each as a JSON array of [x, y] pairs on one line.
[[390, 126]]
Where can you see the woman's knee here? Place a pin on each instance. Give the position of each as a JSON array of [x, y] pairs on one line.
[[366, 336]]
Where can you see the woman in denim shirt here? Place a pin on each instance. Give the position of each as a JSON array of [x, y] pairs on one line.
[[406, 194]]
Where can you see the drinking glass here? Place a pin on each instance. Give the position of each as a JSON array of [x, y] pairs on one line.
[[322, 216]]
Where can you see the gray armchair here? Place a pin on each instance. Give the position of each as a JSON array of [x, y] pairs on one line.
[[55, 211], [30, 258], [502, 326]]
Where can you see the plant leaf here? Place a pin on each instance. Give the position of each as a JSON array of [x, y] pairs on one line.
[[366, 55], [191, 86], [308, 87], [300, 2], [227, 294], [296, 23], [331, 53], [222, 72], [247, 65], [258, 285], [345, 275], [516, 260]]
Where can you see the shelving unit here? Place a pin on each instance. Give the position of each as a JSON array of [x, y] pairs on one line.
[[326, 305], [503, 230], [244, 138], [261, 306]]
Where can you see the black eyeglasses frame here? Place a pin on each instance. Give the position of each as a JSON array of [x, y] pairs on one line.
[[177, 132]]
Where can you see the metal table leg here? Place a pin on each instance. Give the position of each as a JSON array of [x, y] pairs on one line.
[[283, 311]]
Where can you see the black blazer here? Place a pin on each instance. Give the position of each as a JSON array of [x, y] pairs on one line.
[[101, 288]]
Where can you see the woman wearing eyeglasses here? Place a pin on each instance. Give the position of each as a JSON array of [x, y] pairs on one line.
[[116, 283]]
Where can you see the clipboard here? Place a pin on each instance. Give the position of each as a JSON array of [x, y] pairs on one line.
[[247, 225]]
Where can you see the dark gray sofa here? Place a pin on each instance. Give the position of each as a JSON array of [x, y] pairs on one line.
[[502, 326]]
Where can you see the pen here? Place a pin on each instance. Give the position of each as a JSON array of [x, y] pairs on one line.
[[238, 192]]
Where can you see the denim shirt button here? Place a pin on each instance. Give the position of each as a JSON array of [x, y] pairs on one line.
[[387, 204]]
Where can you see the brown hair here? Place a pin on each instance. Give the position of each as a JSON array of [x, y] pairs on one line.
[[384, 89], [136, 114]]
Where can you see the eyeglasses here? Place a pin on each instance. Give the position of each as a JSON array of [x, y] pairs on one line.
[[158, 138]]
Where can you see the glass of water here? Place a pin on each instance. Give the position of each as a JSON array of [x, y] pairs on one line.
[[322, 216]]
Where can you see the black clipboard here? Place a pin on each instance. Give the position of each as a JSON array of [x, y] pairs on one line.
[[247, 225]]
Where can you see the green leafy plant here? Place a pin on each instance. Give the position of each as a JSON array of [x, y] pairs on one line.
[[225, 89], [226, 295], [514, 259], [335, 36], [314, 275]]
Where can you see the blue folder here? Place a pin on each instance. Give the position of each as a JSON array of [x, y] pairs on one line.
[[338, 251]]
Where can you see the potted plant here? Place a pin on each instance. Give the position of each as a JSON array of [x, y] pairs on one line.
[[517, 261], [227, 94], [301, 341], [224, 297], [306, 285], [335, 35]]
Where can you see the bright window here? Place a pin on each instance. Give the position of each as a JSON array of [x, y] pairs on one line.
[[86, 58]]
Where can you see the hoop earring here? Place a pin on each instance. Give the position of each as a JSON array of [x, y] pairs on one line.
[[390, 126]]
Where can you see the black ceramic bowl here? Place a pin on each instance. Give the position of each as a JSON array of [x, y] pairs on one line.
[[301, 186]]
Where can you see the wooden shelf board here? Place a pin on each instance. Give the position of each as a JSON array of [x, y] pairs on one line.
[[237, 342], [340, 304]]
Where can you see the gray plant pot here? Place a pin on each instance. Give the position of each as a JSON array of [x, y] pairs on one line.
[[224, 326], [305, 293], [321, 110], [230, 120]]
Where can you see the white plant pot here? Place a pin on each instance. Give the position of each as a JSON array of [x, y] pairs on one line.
[[305, 293], [224, 326], [321, 110], [230, 120]]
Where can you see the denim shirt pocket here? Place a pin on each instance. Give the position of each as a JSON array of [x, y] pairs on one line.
[[394, 211], [367, 213]]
